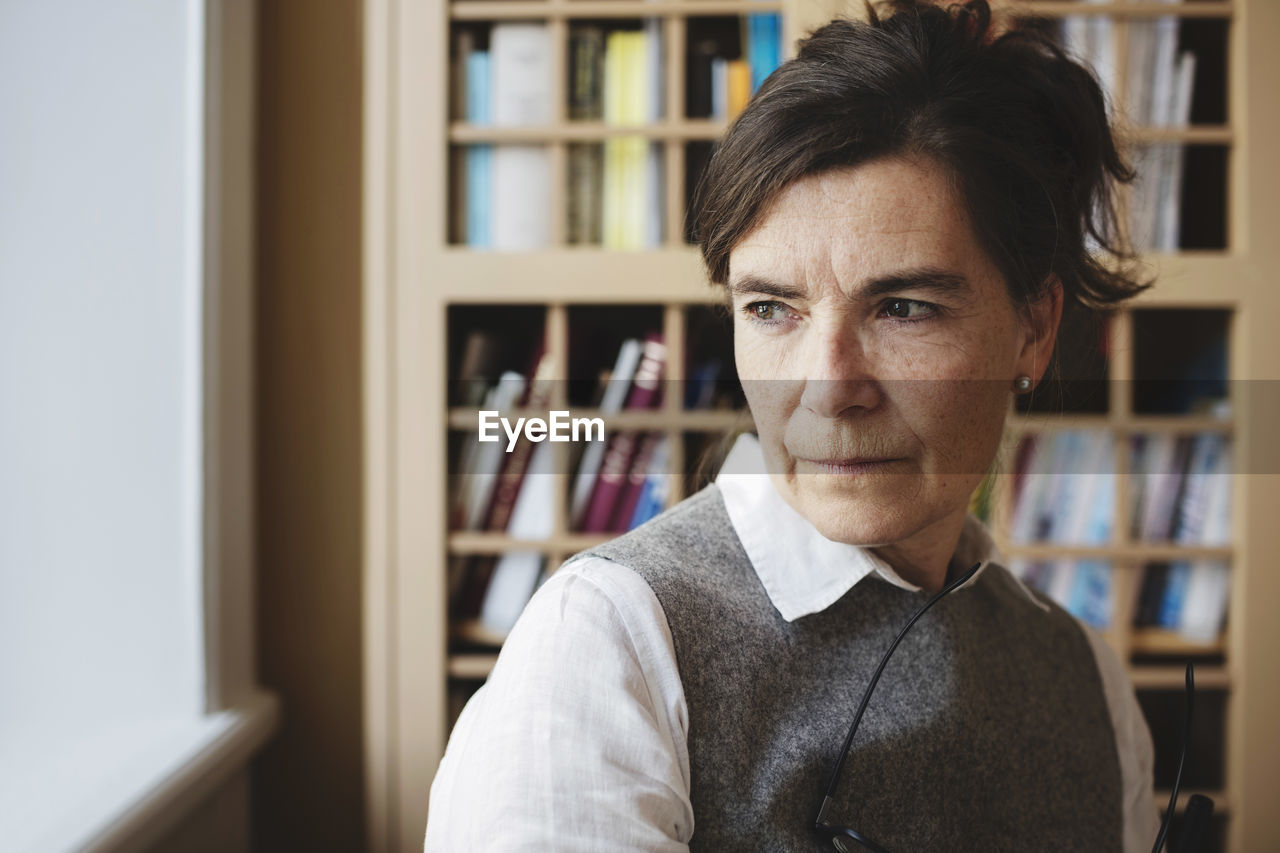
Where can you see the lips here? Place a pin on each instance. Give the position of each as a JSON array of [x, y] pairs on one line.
[[854, 465]]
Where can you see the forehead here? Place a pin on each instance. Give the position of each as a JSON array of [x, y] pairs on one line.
[[850, 224]]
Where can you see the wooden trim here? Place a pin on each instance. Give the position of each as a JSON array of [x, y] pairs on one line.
[[380, 570]]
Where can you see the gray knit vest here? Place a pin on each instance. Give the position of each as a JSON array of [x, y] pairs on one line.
[[988, 730]]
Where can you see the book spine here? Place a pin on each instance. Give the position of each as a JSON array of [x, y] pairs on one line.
[[637, 476], [645, 393], [1174, 595], [510, 481], [586, 73]]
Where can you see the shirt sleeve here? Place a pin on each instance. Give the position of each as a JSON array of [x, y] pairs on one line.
[[578, 739], [1133, 742]]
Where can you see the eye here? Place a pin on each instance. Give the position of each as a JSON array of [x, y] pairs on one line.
[[909, 309], [766, 313]]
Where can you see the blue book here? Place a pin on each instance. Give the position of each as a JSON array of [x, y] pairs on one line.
[[764, 45], [479, 157], [1091, 593], [649, 505], [1175, 591]]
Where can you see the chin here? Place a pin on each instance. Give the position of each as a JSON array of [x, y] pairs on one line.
[[858, 521]]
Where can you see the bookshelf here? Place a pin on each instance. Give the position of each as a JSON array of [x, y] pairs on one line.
[[425, 290]]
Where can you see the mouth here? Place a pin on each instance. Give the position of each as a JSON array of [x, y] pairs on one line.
[[861, 465]]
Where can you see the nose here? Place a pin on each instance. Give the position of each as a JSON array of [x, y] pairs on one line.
[[839, 376]]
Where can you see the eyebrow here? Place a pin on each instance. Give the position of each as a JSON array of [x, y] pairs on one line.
[[932, 280]]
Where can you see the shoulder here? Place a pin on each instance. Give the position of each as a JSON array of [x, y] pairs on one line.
[[584, 688]]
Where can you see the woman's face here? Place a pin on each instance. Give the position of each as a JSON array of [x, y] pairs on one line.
[[877, 346]]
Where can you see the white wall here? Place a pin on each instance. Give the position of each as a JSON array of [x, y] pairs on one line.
[[100, 265]]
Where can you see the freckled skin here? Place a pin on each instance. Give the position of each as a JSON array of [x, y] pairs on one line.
[[841, 374]]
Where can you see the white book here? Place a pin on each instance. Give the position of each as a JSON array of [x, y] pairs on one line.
[[520, 73], [516, 574], [1086, 524], [719, 88], [1165, 62], [1160, 478], [1102, 44], [1204, 604], [1075, 37], [615, 394], [1060, 484], [521, 201], [1145, 188], [520, 94], [1063, 581], [483, 477], [1171, 203], [1141, 64], [1194, 505], [1217, 521], [1082, 480], [1035, 480]]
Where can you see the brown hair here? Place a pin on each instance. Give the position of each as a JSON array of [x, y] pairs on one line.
[[1020, 128]]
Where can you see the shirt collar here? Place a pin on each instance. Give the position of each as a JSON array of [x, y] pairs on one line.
[[778, 539]]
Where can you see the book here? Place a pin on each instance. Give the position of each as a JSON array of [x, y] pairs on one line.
[[638, 473], [537, 398], [1191, 515], [515, 574], [1204, 606], [738, 82], [586, 72], [653, 497], [585, 211], [698, 97], [1150, 595], [520, 81], [645, 393], [479, 158], [521, 75], [764, 45], [612, 398]]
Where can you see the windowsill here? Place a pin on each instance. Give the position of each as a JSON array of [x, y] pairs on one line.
[[128, 785]]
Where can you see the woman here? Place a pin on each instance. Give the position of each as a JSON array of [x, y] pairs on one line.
[[900, 217]]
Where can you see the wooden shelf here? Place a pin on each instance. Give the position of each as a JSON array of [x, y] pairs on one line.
[[1175, 424], [1175, 678], [506, 10], [1117, 9], [690, 420], [476, 667], [1221, 800], [704, 130], [1124, 554], [471, 542], [1161, 641], [688, 130]]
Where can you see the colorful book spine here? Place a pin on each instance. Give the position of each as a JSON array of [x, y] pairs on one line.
[[479, 157], [645, 393], [764, 46]]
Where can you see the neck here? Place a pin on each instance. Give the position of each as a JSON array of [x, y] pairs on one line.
[[923, 558]]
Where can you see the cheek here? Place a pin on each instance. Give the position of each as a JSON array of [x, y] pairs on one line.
[[958, 422]]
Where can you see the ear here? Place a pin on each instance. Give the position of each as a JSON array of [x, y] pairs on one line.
[[1040, 331]]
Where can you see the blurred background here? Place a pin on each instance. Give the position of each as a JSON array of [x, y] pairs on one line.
[[262, 260]]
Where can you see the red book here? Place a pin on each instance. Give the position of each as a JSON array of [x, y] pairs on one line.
[[645, 393], [637, 475]]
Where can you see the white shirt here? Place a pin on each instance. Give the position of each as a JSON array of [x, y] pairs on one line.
[[578, 740]]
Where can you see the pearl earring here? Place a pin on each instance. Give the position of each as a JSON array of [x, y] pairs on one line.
[[1022, 384]]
